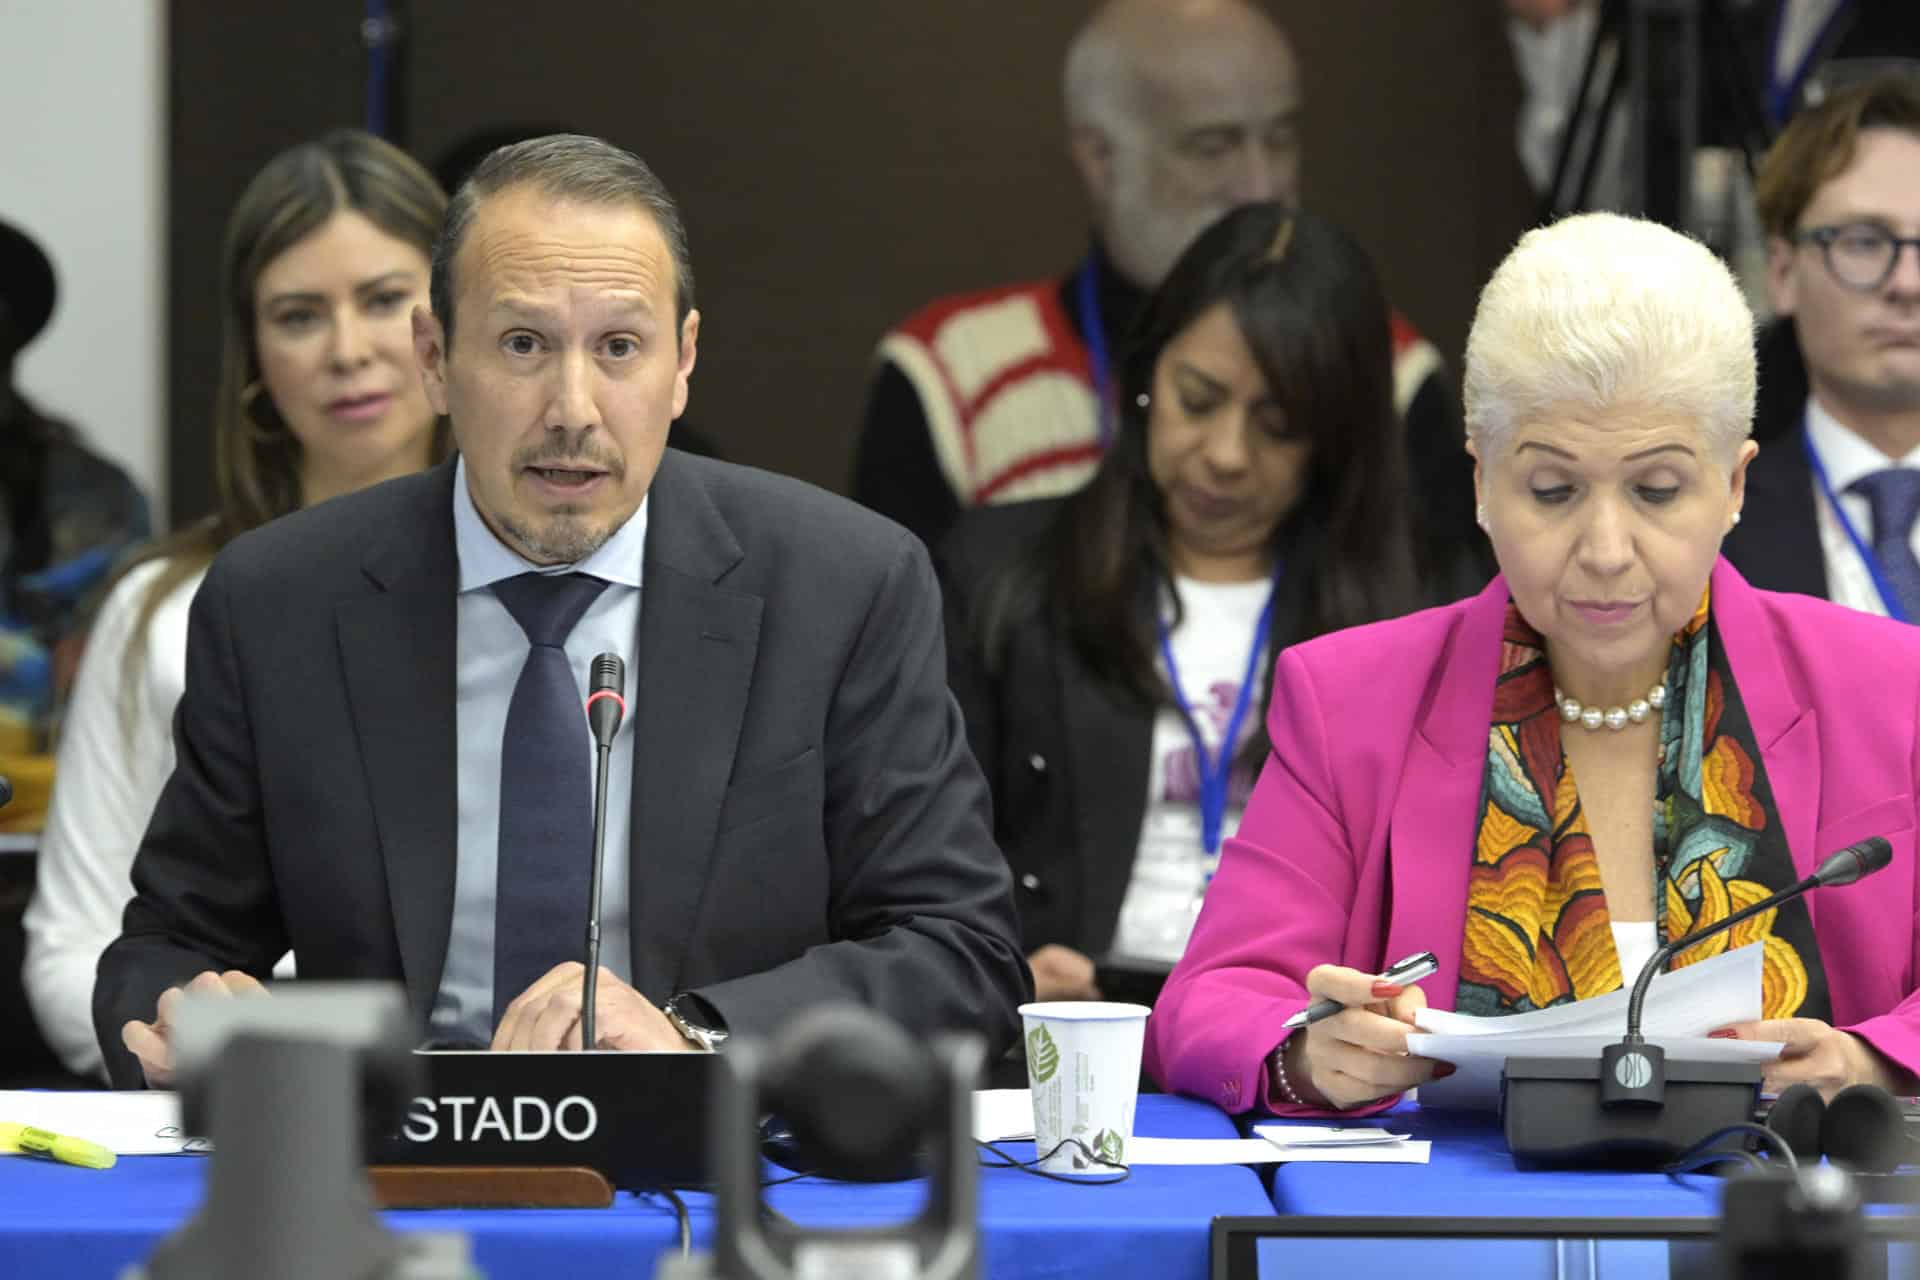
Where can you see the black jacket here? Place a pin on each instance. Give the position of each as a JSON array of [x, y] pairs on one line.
[[1066, 752], [1776, 546]]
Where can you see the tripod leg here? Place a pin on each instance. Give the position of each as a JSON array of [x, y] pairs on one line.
[[1583, 119]]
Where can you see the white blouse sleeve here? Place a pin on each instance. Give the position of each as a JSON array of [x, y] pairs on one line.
[[114, 757]]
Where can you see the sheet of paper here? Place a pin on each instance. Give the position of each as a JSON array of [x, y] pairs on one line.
[[1002, 1115], [1291, 1134], [129, 1124], [1006, 1115], [1310, 1144], [1202, 1151], [1479, 1060], [1685, 1002]]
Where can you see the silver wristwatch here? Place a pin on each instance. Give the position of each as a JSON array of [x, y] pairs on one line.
[[708, 1039]]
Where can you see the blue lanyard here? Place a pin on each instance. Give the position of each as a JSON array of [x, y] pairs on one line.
[[1215, 770], [1086, 296], [1888, 600]]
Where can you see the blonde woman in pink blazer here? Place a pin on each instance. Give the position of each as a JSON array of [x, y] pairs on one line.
[[1618, 742]]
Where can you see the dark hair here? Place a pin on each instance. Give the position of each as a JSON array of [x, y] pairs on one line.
[[565, 166], [1819, 142], [256, 457], [1312, 312]]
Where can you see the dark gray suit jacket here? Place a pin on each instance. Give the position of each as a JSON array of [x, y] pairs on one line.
[[808, 823]]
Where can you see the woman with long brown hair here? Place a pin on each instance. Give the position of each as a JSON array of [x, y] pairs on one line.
[[326, 255]]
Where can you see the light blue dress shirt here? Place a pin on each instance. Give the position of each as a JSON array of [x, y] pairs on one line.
[[490, 649]]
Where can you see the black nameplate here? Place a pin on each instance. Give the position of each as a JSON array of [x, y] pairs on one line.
[[638, 1118]]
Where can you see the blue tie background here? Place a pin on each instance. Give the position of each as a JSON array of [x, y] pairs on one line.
[[1894, 495]]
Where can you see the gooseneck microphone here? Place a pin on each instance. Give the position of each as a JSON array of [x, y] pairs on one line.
[[1844, 867], [606, 707], [1632, 1108]]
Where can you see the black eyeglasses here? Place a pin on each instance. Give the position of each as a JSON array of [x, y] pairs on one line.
[[1859, 255]]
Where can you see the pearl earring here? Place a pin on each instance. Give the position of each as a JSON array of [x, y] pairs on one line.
[[1736, 517], [1480, 514], [1143, 399]]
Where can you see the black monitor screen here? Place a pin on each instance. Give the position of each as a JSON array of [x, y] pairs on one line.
[[1282, 1248]]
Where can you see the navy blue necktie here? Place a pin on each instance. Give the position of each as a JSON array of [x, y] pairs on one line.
[[1894, 495], [546, 791]]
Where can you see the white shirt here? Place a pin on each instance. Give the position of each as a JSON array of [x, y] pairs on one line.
[[114, 759], [1635, 944], [1848, 457], [1171, 867], [490, 648]]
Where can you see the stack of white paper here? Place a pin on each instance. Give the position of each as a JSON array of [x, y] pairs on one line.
[[145, 1123], [1002, 1115], [1342, 1144], [1681, 1008]]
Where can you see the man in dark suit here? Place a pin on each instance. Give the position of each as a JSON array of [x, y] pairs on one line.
[[1833, 496], [383, 760]]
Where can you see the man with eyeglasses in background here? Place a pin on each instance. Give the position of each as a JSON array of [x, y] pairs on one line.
[[1839, 196]]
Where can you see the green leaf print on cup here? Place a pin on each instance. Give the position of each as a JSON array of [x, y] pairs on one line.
[[1107, 1144], [1043, 1059]]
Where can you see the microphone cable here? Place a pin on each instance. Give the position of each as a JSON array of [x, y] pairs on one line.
[[1120, 1171], [1702, 1155]]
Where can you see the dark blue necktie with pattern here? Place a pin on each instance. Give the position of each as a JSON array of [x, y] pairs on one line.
[[546, 791], [1894, 495]]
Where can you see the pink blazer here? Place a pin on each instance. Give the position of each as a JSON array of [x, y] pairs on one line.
[[1356, 844]]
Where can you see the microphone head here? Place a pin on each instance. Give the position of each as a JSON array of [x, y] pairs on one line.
[[606, 697], [609, 672], [1856, 860]]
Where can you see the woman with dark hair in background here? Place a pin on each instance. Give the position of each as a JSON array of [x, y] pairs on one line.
[[67, 514], [326, 255], [1110, 649]]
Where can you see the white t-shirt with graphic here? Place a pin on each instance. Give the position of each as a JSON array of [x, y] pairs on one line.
[[1171, 868]]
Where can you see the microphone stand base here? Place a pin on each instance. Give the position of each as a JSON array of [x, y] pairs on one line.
[[1554, 1115]]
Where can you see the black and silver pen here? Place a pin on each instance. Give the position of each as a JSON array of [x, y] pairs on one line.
[[1410, 970]]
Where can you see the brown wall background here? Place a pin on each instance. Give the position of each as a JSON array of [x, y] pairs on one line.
[[839, 161]]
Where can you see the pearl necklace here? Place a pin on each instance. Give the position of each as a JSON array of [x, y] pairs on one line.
[[1614, 718]]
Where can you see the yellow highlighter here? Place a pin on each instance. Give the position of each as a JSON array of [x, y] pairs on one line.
[[30, 1141]]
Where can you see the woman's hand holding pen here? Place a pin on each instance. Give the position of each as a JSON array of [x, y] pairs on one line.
[[1360, 1054]]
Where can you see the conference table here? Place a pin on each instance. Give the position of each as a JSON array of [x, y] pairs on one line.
[[75, 1223], [68, 1222]]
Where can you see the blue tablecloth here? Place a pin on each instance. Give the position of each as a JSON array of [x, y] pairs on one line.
[[1472, 1175], [66, 1222]]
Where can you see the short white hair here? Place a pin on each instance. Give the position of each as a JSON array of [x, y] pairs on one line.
[[1599, 312]]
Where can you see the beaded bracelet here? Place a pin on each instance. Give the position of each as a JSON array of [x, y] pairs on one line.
[[1276, 1060]]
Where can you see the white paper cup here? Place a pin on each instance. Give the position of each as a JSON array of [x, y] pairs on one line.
[[1083, 1067]]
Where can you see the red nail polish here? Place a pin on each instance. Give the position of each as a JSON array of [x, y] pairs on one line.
[[1442, 1070], [1724, 1033], [1384, 990]]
